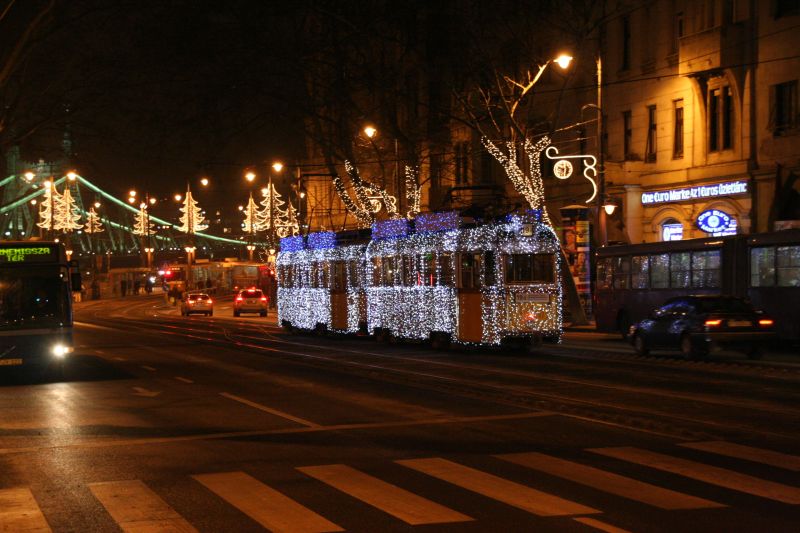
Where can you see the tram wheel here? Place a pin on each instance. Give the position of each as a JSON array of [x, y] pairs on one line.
[[440, 341], [384, 335]]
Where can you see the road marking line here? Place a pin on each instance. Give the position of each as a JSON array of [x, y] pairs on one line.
[[120, 359], [136, 508], [270, 508], [391, 499], [609, 482], [150, 368], [185, 380], [92, 326], [148, 441], [739, 451], [706, 473], [269, 410], [20, 512], [503, 490], [602, 526]]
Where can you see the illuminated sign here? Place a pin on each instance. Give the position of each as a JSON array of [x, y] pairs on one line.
[[713, 220], [695, 193], [672, 232], [27, 254]]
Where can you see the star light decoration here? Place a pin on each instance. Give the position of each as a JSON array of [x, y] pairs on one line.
[[420, 297], [530, 186]]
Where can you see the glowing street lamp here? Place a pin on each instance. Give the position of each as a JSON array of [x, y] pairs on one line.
[[250, 176], [204, 182], [563, 61], [370, 131], [277, 166], [72, 175], [29, 176]]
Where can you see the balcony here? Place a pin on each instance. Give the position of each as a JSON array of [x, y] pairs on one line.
[[711, 49]]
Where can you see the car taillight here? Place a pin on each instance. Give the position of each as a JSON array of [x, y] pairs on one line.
[[766, 322], [210, 301], [713, 323], [239, 299], [263, 298]]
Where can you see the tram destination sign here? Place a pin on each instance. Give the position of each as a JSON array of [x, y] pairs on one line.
[[727, 188], [27, 254]]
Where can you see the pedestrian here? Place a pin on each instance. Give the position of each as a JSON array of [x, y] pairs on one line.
[[136, 286], [123, 287]]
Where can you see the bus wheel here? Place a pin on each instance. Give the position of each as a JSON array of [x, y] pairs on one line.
[[640, 346]]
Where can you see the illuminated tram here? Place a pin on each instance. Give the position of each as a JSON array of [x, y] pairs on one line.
[[436, 279]]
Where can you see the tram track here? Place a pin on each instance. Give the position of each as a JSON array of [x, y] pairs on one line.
[[433, 375]]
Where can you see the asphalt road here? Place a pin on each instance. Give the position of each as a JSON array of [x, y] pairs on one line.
[[166, 423]]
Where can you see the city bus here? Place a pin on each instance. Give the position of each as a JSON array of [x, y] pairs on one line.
[[633, 279], [36, 284]]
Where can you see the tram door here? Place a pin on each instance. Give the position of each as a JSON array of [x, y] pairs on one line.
[[339, 295], [470, 319]]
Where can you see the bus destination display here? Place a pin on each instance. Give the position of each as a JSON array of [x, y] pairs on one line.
[[27, 254]]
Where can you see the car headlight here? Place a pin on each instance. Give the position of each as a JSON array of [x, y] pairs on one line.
[[61, 350]]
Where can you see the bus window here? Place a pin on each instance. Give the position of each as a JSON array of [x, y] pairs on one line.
[[470, 270], [706, 269], [640, 272], [788, 266], [604, 273], [622, 267], [529, 268], [659, 271], [680, 270], [446, 270], [762, 266]]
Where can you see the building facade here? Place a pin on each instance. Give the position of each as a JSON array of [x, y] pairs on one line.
[[700, 100]]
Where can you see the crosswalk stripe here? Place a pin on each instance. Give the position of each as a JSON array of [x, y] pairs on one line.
[[503, 490], [265, 505], [706, 473], [597, 524], [136, 508], [20, 512], [609, 482], [739, 451], [400, 503]]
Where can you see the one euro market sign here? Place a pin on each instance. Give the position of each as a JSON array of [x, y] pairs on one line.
[[699, 192], [27, 254]]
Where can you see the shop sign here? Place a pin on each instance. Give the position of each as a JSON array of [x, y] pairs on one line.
[[727, 188], [714, 221]]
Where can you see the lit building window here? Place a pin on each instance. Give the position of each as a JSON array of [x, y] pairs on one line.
[[671, 230]]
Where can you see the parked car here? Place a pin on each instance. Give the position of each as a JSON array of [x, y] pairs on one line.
[[250, 301], [696, 325], [197, 302]]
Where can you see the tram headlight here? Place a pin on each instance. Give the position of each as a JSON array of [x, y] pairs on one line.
[[60, 350]]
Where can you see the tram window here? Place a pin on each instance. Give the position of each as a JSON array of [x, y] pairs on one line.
[[622, 268], [426, 274], [659, 271], [387, 271], [680, 270], [788, 266], [490, 277], [706, 268], [377, 270], [353, 274], [527, 268], [604, 273], [338, 281], [640, 272], [314, 281], [470, 270], [446, 270], [762, 266], [409, 274]]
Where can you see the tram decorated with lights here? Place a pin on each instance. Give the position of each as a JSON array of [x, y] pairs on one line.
[[440, 278]]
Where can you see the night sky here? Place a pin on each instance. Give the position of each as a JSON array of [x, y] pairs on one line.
[[160, 93]]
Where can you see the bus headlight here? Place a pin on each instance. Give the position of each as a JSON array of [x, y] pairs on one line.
[[60, 351]]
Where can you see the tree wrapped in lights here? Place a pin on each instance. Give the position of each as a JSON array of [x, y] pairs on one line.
[[48, 206], [93, 223], [413, 191], [289, 226], [192, 219], [252, 221], [142, 225], [67, 215], [273, 214]]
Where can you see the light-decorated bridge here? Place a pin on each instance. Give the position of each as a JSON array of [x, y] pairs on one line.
[[21, 218]]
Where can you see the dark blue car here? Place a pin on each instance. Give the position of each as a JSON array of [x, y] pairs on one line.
[[697, 324]]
